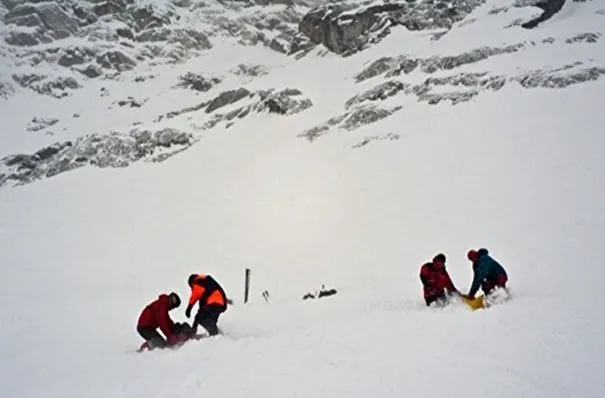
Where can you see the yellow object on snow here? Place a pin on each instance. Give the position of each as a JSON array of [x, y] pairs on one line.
[[475, 303]]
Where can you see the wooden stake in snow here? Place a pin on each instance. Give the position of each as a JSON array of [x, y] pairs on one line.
[[247, 285]]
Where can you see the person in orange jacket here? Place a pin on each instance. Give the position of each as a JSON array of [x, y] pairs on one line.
[[212, 300]]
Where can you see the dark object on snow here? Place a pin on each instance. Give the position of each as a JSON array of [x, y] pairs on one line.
[[327, 293], [322, 293], [308, 296], [181, 332]]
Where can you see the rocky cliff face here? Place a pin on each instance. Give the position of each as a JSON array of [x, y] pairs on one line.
[[104, 38], [96, 37], [141, 50], [348, 27]]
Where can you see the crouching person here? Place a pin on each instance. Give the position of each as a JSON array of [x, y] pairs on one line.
[[155, 315], [436, 281], [488, 273]]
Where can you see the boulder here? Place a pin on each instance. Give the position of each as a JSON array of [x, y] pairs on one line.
[[227, 97], [6, 90], [197, 82], [115, 60]]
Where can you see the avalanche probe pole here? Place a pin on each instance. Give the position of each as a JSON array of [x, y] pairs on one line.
[[247, 285]]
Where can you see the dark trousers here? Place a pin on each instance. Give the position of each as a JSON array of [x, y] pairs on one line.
[[151, 335], [208, 316], [439, 299], [489, 284]]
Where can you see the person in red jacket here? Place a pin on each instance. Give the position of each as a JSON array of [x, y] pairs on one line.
[[212, 300], [436, 281], [155, 315]]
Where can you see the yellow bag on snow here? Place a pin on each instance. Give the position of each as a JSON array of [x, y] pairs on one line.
[[475, 303]]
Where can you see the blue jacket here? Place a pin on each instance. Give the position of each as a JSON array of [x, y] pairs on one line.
[[485, 267]]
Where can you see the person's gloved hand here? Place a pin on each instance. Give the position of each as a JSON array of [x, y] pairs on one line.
[[188, 311]]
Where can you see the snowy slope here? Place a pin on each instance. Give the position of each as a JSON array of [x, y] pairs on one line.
[[509, 159]]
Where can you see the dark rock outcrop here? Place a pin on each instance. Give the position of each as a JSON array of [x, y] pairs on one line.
[[345, 28], [71, 56], [353, 119], [549, 8], [249, 70], [395, 66], [227, 97], [40, 123], [57, 87], [559, 78], [91, 71], [380, 92], [285, 102], [588, 37], [469, 85], [366, 140], [197, 82], [114, 26], [132, 102], [6, 90], [46, 15], [109, 150], [115, 60]]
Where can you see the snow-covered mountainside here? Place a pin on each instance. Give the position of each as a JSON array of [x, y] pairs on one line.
[[108, 83], [317, 143]]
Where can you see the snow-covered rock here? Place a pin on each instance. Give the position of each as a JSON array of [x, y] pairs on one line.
[[109, 150], [347, 27], [57, 87]]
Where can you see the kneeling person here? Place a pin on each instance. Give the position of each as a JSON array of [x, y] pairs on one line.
[[487, 273], [436, 281], [154, 316]]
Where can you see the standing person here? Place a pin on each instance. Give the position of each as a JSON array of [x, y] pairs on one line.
[[436, 281], [212, 300], [487, 273]]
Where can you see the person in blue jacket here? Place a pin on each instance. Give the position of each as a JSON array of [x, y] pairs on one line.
[[488, 273]]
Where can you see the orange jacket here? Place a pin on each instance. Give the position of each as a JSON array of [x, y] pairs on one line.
[[207, 291]]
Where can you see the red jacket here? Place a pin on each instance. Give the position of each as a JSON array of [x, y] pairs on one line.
[[156, 315], [435, 279]]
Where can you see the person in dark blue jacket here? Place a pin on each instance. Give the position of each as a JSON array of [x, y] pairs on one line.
[[488, 273]]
